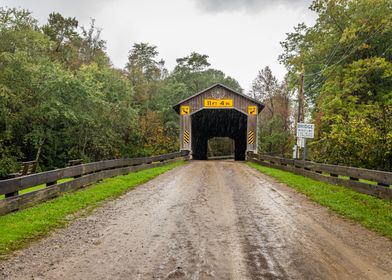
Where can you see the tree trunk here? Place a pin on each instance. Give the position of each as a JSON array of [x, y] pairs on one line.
[[41, 143]]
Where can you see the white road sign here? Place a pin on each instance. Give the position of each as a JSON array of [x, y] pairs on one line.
[[305, 130]]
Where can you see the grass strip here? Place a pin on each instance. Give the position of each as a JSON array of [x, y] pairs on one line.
[[372, 212], [20, 228]]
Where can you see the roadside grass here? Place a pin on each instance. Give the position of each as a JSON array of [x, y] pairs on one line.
[[22, 227], [372, 212], [35, 188]]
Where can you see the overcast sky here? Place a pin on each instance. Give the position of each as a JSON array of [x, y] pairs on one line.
[[240, 36]]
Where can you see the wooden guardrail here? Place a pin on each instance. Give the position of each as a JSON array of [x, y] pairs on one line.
[[377, 183], [81, 175]]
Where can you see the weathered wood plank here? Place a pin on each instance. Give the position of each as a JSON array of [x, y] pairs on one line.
[[15, 184], [17, 202], [382, 177]]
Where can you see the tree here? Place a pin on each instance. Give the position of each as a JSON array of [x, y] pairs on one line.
[[195, 62], [61, 30], [193, 71], [144, 70], [65, 40], [21, 46], [274, 125], [345, 58], [19, 31], [92, 46], [264, 87], [143, 64]]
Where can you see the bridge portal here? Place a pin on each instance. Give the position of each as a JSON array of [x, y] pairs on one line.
[[218, 111]]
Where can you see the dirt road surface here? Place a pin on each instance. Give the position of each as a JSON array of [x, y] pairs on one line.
[[207, 220]]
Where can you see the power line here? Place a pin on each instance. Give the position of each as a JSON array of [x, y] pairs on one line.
[[345, 55], [318, 84]]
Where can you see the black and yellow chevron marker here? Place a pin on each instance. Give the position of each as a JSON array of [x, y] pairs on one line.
[[251, 137], [186, 137]]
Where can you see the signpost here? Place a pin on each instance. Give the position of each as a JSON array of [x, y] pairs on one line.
[[304, 131]]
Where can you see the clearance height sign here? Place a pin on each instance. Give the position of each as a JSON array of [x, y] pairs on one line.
[[218, 103]]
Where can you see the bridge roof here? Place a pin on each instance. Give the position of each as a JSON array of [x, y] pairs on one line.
[[259, 104]]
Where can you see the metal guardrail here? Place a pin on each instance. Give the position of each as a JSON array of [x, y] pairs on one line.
[[377, 183], [81, 175]]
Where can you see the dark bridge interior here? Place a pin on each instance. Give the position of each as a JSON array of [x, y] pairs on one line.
[[209, 123]]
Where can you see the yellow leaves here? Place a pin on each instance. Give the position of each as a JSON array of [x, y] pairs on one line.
[[364, 46], [389, 143], [348, 35]]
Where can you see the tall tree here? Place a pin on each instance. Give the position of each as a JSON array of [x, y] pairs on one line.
[[65, 39], [143, 63], [264, 88], [61, 30], [144, 70], [195, 62]]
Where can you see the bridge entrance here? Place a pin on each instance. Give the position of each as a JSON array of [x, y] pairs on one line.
[[210, 123], [220, 147], [218, 111]]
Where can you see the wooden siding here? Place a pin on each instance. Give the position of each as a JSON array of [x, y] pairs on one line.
[[240, 103]]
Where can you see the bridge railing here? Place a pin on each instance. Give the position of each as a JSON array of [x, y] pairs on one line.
[[372, 182], [77, 176]]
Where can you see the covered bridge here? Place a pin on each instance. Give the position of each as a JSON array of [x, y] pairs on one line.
[[218, 111]]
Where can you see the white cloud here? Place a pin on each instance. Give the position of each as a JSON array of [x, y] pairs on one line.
[[252, 6]]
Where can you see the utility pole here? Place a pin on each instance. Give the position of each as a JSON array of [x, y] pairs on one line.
[[301, 99], [300, 114]]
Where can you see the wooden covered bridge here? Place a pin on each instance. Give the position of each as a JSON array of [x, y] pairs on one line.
[[218, 111]]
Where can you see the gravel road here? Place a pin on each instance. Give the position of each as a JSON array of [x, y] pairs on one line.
[[207, 220]]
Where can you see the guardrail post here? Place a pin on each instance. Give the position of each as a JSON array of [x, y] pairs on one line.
[[15, 193], [51, 183]]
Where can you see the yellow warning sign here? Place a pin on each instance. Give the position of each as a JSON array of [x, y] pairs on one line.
[[185, 110], [218, 103], [252, 110], [186, 137], [251, 137]]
